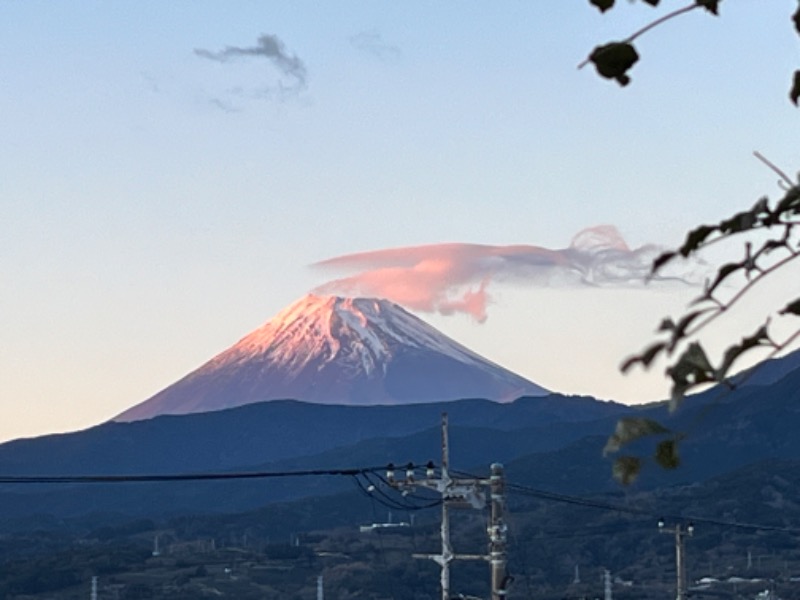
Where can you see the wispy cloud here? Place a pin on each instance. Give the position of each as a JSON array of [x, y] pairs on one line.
[[268, 47], [454, 278], [371, 42], [223, 105]]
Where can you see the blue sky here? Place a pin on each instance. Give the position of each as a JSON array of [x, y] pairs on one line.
[[158, 205]]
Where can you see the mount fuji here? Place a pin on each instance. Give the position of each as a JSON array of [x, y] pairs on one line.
[[333, 350]]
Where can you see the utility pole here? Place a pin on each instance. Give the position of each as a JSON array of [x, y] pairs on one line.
[[608, 590], [93, 594], [498, 532], [680, 554], [459, 492]]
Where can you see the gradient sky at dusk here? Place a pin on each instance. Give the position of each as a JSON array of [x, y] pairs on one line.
[[172, 174]]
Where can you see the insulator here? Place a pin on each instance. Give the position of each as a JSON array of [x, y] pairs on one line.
[[429, 472]]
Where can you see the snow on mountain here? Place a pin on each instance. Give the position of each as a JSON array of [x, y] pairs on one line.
[[333, 350]]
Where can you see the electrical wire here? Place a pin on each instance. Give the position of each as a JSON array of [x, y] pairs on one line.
[[378, 496], [408, 492], [400, 503], [377, 482], [154, 478], [598, 504], [578, 501]]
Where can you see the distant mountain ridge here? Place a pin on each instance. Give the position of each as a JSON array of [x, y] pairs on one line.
[[548, 442], [258, 433], [333, 350], [279, 435]]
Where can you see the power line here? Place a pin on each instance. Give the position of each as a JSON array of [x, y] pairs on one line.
[[386, 499], [585, 502], [153, 478], [375, 493]]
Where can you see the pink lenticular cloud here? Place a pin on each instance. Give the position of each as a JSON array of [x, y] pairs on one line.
[[453, 278]]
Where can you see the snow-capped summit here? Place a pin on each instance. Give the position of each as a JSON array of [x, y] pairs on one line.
[[332, 350]]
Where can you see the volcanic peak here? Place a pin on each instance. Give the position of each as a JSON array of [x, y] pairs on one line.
[[361, 331], [334, 350]]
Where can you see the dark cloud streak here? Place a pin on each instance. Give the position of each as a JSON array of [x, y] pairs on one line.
[[268, 46]]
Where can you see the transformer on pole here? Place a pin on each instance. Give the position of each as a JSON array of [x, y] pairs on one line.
[[459, 492]]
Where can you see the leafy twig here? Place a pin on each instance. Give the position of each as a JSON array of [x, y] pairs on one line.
[[722, 308], [648, 27]]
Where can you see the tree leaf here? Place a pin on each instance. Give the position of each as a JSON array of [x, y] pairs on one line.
[[695, 238], [661, 260], [794, 94], [691, 369], [761, 211], [679, 329], [652, 2], [711, 6], [613, 61], [645, 357], [630, 429], [793, 308], [626, 469], [771, 245], [739, 222], [796, 19], [759, 338], [667, 324], [761, 205], [723, 272], [603, 5], [693, 360], [790, 201], [667, 454]]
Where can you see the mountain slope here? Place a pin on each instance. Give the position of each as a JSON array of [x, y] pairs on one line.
[[268, 432], [278, 436], [332, 350]]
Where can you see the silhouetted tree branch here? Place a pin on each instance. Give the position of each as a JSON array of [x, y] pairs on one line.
[[690, 367]]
